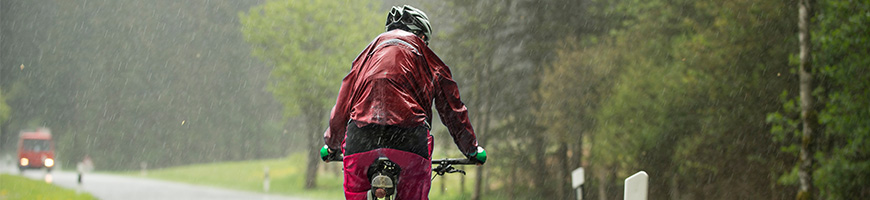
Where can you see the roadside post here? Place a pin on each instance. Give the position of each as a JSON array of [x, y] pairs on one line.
[[636, 186], [577, 180], [266, 179], [144, 168], [80, 170]]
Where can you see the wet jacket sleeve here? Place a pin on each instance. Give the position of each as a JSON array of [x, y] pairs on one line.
[[340, 114], [453, 112]]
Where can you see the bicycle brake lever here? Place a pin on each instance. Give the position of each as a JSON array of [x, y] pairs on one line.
[[457, 170]]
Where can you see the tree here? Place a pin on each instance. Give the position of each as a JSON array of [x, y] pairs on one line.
[[311, 44], [840, 42], [569, 109], [133, 81], [4, 111], [809, 115], [498, 51], [691, 95], [839, 164], [473, 51]]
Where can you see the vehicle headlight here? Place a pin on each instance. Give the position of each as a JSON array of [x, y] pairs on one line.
[[24, 162], [49, 162]]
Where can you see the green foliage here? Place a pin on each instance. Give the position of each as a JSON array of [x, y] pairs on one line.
[[843, 40], [311, 44], [163, 82], [842, 167], [497, 52], [4, 109], [785, 124], [681, 89], [17, 187], [693, 84], [588, 66]]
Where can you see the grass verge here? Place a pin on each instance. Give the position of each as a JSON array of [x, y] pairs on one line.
[[287, 178], [17, 187]]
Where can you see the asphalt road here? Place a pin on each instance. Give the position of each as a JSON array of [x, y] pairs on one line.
[[110, 187]]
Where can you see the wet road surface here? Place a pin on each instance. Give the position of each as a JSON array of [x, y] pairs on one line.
[[110, 187]]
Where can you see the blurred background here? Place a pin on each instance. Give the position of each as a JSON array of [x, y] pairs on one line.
[[702, 95]]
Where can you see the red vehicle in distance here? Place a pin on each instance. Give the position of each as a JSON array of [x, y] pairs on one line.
[[35, 150]]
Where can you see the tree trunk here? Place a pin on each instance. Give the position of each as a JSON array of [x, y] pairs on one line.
[[541, 176], [4, 136], [462, 185], [478, 185], [602, 183], [564, 188], [311, 170], [315, 142], [575, 160], [808, 113], [443, 185], [511, 186], [675, 190]]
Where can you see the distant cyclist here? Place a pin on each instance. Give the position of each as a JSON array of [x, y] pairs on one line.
[[384, 108]]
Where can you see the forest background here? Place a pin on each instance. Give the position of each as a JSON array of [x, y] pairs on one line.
[[702, 95]]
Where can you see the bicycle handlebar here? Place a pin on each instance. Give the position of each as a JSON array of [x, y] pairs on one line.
[[445, 161], [454, 161]]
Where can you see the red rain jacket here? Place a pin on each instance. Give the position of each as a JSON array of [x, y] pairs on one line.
[[394, 82]]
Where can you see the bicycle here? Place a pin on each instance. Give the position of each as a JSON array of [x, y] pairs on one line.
[[384, 174]]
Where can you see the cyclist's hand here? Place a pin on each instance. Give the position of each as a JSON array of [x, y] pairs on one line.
[[478, 156], [327, 154]]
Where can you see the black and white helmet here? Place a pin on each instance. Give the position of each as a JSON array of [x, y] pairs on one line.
[[409, 19]]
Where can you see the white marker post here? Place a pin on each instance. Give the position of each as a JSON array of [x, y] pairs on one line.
[[143, 166], [577, 180], [636, 186], [266, 179]]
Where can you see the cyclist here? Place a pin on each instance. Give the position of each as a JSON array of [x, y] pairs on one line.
[[384, 108]]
